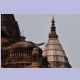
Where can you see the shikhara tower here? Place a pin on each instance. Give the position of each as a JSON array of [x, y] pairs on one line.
[[53, 50]]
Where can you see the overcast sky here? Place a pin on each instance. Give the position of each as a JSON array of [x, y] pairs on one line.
[[35, 27]]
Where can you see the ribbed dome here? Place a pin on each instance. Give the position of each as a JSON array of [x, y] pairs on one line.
[[19, 54]]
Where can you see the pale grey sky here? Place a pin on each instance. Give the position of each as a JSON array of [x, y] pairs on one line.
[[35, 27]]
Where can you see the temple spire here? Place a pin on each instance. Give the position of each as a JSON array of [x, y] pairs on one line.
[[53, 50], [53, 34]]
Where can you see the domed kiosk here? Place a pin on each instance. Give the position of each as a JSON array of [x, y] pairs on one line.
[[18, 54], [24, 55]]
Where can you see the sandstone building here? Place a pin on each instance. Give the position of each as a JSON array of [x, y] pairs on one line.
[[16, 52]]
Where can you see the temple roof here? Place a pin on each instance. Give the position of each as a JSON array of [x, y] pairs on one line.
[[10, 27], [54, 51]]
